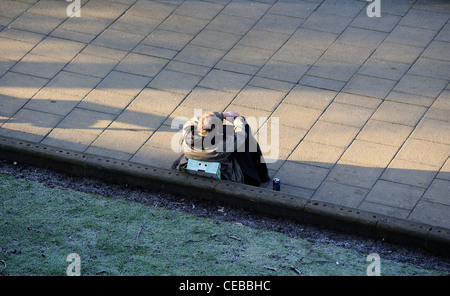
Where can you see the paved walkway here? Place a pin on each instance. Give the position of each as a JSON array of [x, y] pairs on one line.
[[363, 104]]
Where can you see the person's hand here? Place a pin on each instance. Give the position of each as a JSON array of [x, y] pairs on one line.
[[230, 114]]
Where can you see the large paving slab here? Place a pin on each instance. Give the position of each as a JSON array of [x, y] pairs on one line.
[[352, 110]]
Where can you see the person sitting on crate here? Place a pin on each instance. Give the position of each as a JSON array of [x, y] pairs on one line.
[[225, 138]]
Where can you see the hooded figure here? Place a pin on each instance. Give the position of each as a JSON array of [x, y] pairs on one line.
[[225, 138]]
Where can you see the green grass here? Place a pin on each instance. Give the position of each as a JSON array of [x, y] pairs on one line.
[[40, 226]]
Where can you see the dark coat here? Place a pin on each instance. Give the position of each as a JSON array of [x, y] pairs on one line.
[[234, 147]]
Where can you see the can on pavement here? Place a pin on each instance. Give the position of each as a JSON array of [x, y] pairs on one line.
[[276, 184]]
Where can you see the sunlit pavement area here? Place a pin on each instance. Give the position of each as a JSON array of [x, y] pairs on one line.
[[361, 104]]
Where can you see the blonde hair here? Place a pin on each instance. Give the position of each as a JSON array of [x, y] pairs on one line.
[[207, 123]]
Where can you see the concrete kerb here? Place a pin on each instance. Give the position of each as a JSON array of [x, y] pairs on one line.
[[42, 155], [438, 240], [261, 200], [343, 218], [142, 176], [274, 203]]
